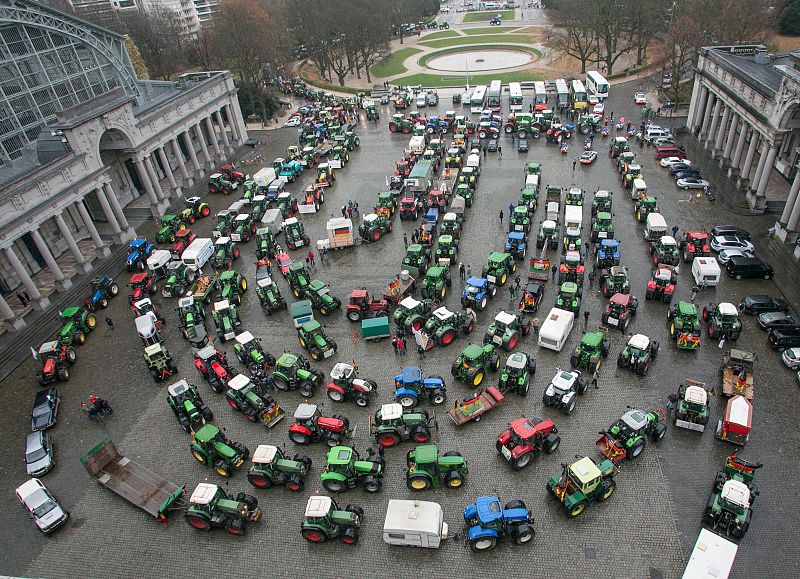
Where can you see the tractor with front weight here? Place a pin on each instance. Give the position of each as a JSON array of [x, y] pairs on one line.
[[563, 390], [391, 425], [139, 250], [179, 279], [218, 183], [607, 253], [507, 329], [583, 482], [312, 337], [361, 307], [196, 208], [723, 321], [638, 354], [295, 373], [525, 437], [102, 290], [188, 407], [589, 354], [692, 407], [225, 253], [244, 228], [324, 520], [730, 507], [474, 363], [159, 362], [295, 233], [520, 220], [444, 326], [346, 470], [619, 311], [265, 243], [615, 281], [487, 521], [427, 468], [446, 250], [516, 244], [417, 257], [346, 385], [411, 385], [251, 353], [627, 437], [411, 313], [601, 201], [311, 426], [374, 226], [684, 325], [211, 448], [55, 359], [226, 320], [517, 374], [602, 227], [211, 507], [169, 224], [76, 322], [257, 406], [477, 292], [498, 267], [318, 293], [213, 365], [271, 467]]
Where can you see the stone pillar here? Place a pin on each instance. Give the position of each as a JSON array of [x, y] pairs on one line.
[[235, 118], [699, 110], [61, 282], [794, 216], [101, 247], [235, 133], [223, 132], [162, 156], [762, 159], [737, 156], [723, 127], [708, 111], [187, 141], [82, 265], [203, 148], [767, 171], [145, 179], [128, 232], [751, 151], [151, 172], [791, 200], [212, 136], [13, 322], [109, 213], [176, 150], [712, 130], [38, 301], [693, 103]]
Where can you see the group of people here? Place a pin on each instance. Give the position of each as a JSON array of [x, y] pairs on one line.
[[97, 408], [350, 209]]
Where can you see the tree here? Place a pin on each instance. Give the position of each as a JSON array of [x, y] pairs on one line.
[[790, 19], [159, 37], [139, 65], [645, 20], [610, 28], [574, 33], [681, 44], [202, 49]]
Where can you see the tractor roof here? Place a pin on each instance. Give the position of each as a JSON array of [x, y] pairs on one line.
[[341, 370], [634, 419], [370, 218], [447, 239], [142, 303], [472, 351], [618, 270], [410, 303], [414, 248], [443, 314], [450, 217], [222, 240], [527, 428], [178, 388], [695, 395], [264, 454], [563, 380], [736, 492], [687, 309], [518, 361], [592, 339], [572, 256], [603, 216], [497, 256], [291, 221], [145, 326], [667, 240], [426, 454], [238, 382], [305, 411], [516, 235], [203, 494], [206, 352], [521, 210], [609, 243], [391, 411], [489, 509], [477, 281], [585, 470], [548, 224], [206, 433], [318, 286], [620, 299], [569, 287], [244, 338], [505, 318], [186, 302], [534, 287], [727, 309], [339, 455], [221, 305], [48, 347], [575, 191], [602, 194], [663, 272], [264, 281], [311, 326], [318, 507], [639, 341], [138, 242]]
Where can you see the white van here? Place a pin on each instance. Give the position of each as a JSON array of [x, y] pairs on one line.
[[417, 144], [706, 270], [422, 100], [198, 253], [474, 160], [656, 132], [414, 524], [655, 227], [639, 189], [555, 330]]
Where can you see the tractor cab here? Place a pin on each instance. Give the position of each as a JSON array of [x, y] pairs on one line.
[[631, 424], [608, 253], [620, 303], [517, 365], [436, 198], [532, 296], [574, 196], [584, 475], [524, 430], [736, 496], [602, 201], [663, 277], [695, 398]]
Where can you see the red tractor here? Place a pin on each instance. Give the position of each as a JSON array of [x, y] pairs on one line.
[[661, 285], [409, 208], [310, 426], [526, 436], [55, 358], [402, 168], [315, 195], [695, 244], [361, 306], [232, 174], [619, 311], [213, 365], [436, 199], [142, 284], [183, 238]]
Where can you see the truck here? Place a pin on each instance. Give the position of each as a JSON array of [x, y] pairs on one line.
[[265, 176], [737, 373], [420, 179], [414, 524], [448, 182], [340, 234], [573, 221], [552, 203], [136, 484], [712, 556]]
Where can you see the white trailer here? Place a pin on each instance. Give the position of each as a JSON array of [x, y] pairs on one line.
[[414, 524], [711, 558], [573, 217], [265, 176], [556, 328], [340, 234], [417, 144]]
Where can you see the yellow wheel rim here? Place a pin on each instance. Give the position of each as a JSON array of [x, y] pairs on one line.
[[444, 291], [244, 284], [477, 379], [608, 493], [577, 509], [221, 471], [503, 279], [418, 484], [302, 342], [672, 329], [181, 227], [198, 456], [455, 483], [91, 321], [296, 293]]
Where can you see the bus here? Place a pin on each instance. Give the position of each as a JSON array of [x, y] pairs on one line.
[[493, 97], [562, 92], [478, 99], [515, 97], [597, 84], [577, 93], [540, 88]]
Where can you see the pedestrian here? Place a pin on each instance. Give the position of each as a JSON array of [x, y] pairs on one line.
[[499, 151], [705, 189], [612, 116], [695, 289], [501, 217], [530, 108], [344, 211], [462, 271], [517, 282], [574, 164], [469, 270], [535, 324], [675, 230], [22, 299], [355, 209], [405, 240], [394, 346], [553, 273], [311, 258], [109, 322], [485, 149], [512, 138], [671, 400], [510, 210], [658, 112], [703, 286], [420, 351], [585, 320], [401, 345], [594, 379], [350, 211], [471, 315], [511, 290]]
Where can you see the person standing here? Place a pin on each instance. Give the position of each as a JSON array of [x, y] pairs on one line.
[[501, 217], [22, 299], [395, 346], [518, 282], [462, 271], [344, 211], [110, 323], [535, 324], [469, 270], [405, 240], [310, 256], [574, 164], [511, 290], [585, 320], [499, 151], [595, 376], [553, 271], [510, 209], [675, 230], [693, 295]]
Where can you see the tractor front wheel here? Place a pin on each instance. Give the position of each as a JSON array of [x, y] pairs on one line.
[[407, 401], [259, 480], [371, 484], [236, 527], [336, 396], [198, 456], [636, 449], [419, 482], [454, 480], [334, 486]]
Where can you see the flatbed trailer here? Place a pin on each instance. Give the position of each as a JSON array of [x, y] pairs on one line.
[[734, 364], [400, 287], [136, 484], [203, 286], [472, 409]]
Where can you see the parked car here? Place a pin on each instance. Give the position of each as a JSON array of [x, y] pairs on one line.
[[757, 304], [292, 122], [45, 409], [688, 173], [593, 100], [725, 255], [598, 109], [730, 231], [522, 146], [680, 166], [492, 146], [38, 454], [639, 98], [41, 505], [692, 183], [727, 242], [670, 161], [748, 267], [770, 320], [791, 358], [588, 157], [780, 338]]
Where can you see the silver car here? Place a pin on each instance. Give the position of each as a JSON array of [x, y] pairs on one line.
[[38, 454], [41, 505], [791, 358]]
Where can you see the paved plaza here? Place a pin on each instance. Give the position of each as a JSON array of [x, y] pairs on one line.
[[647, 529]]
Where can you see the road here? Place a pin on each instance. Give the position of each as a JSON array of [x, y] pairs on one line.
[[646, 530]]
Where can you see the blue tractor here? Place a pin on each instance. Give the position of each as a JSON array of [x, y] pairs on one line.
[[436, 125], [477, 292], [516, 244], [488, 521], [138, 251], [608, 253], [103, 289], [411, 385]]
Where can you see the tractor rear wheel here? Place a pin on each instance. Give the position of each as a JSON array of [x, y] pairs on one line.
[[447, 338], [259, 480], [477, 378], [576, 509], [407, 401], [314, 536], [419, 482], [388, 439], [280, 383], [299, 438], [609, 486], [198, 522], [483, 544], [198, 456]]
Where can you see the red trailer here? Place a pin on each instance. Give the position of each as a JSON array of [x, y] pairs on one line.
[[738, 420]]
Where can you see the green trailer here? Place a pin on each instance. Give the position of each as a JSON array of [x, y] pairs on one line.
[[375, 328]]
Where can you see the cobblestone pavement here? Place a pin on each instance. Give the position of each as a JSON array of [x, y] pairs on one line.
[[646, 530]]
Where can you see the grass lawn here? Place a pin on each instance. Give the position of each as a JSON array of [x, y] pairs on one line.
[[424, 59], [440, 34], [478, 40], [435, 80], [393, 64], [486, 16], [488, 30]]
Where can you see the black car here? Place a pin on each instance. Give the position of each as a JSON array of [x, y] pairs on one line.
[[772, 320], [689, 173], [784, 338], [45, 409], [758, 304], [730, 231], [492, 146], [681, 167], [522, 146]]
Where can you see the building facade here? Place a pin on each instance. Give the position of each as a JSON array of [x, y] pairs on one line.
[[103, 11], [128, 146]]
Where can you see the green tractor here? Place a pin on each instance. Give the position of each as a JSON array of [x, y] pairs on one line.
[[474, 363], [232, 286], [76, 322], [684, 325], [210, 507], [251, 353], [346, 470], [627, 437], [519, 220], [374, 226], [244, 396], [451, 225], [312, 337], [723, 321], [437, 280], [548, 234], [190, 315], [298, 277], [159, 362], [638, 354], [463, 190], [386, 205], [517, 373], [372, 113], [590, 352], [295, 233], [602, 227], [445, 326], [265, 243], [729, 508], [569, 297], [226, 319], [602, 201], [179, 279], [529, 199], [272, 468], [507, 329], [446, 250], [411, 313], [391, 425], [583, 482], [225, 252], [574, 197], [417, 257], [244, 228], [427, 468], [400, 124], [196, 208], [188, 407], [211, 448], [499, 266], [324, 520], [295, 373], [615, 281], [218, 183], [224, 224], [318, 293], [269, 295], [169, 225], [644, 207]]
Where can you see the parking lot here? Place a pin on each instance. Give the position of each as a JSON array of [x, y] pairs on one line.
[[647, 529]]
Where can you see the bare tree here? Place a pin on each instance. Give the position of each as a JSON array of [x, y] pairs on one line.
[[203, 49], [681, 43], [610, 28], [159, 37], [574, 33]]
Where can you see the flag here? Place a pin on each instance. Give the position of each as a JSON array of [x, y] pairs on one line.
[[34, 353]]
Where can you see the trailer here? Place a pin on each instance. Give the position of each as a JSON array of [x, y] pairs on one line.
[[711, 558], [737, 373], [136, 484], [402, 286], [414, 524], [265, 176], [420, 180], [447, 182], [472, 409], [552, 203], [203, 286], [735, 426], [340, 234], [301, 312], [273, 220]]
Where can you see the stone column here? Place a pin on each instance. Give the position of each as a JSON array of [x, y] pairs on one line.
[[212, 136], [737, 156], [162, 156], [38, 301], [712, 130], [109, 213], [719, 142], [791, 200], [762, 159], [61, 282], [751, 151], [176, 150], [767, 170], [223, 132], [187, 141], [203, 148], [794, 216], [235, 119], [693, 103], [101, 247], [699, 111], [729, 140], [127, 231], [80, 261], [151, 172], [145, 179], [13, 322], [235, 132], [708, 111]]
